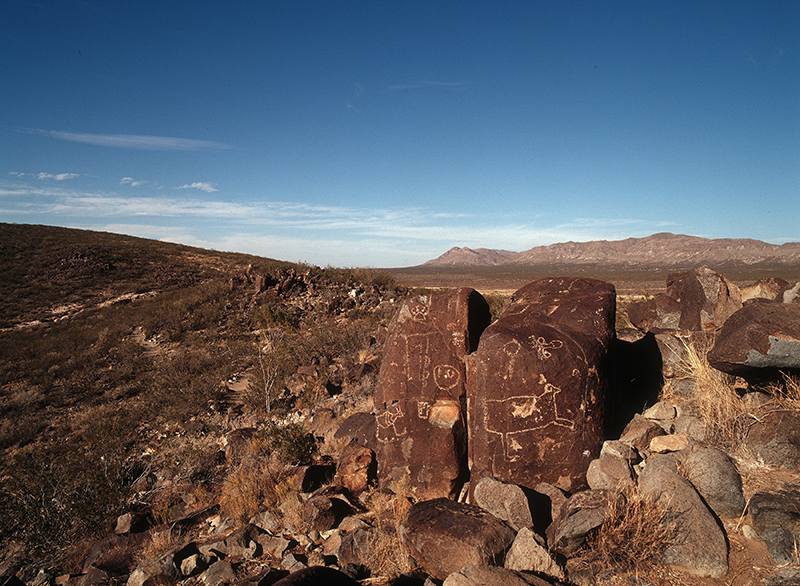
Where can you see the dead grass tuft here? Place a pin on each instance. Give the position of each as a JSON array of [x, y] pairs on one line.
[[387, 554], [716, 401], [633, 536]]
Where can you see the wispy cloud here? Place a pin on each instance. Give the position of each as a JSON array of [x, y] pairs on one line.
[[130, 181], [202, 186], [427, 83], [299, 231], [133, 141], [57, 177]]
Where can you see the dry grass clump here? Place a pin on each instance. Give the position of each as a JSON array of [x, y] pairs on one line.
[[716, 401], [633, 536], [252, 486], [387, 554]]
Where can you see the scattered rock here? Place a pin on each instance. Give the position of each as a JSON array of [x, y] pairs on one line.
[[528, 553], [775, 439], [316, 576], [776, 517], [505, 501], [480, 575], [582, 512], [357, 469], [669, 443], [609, 473], [714, 475]]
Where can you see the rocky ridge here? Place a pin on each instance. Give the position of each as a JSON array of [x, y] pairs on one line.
[[663, 250]]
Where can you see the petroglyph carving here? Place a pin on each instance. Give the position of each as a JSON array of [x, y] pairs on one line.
[[388, 428], [543, 347], [446, 377], [423, 409], [534, 413], [419, 312]]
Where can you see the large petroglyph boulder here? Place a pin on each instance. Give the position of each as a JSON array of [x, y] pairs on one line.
[[420, 396], [538, 387]]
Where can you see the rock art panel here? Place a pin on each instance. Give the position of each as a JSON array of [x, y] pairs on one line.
[[538, 385], [420, 397]]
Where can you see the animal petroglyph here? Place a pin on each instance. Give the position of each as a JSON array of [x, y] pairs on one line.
[[532, 412], [387, 423]]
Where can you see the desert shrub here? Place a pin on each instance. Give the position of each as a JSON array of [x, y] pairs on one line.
[[633, 536], [290, 443]]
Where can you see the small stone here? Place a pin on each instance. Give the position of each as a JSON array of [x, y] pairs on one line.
[[669, 443], [661, 411]]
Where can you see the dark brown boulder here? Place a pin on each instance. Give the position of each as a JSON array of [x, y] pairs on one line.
[[357, 469], [444, 536], [759, 341], [657, 314], [420, 395], [707, 298], [539, 386], [696, 300]]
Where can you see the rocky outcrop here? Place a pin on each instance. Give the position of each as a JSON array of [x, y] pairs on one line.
[[539, 384], [420, 398], [700, 545], [698, 300], [759, 341]]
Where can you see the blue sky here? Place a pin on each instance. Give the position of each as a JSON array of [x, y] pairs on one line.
[[384, 133]]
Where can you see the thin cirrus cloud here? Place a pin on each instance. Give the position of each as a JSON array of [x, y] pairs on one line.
[[57, 177], [130, 181], [201, 185], [133, 141], [427, 83]]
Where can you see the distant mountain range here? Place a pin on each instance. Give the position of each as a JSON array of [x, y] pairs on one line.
[[659, 250]]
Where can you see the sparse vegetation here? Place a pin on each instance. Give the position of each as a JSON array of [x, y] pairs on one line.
[[635, 533], [119, 398], [97, 391]]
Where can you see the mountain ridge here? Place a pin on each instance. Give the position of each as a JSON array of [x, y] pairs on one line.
[[663, 249]]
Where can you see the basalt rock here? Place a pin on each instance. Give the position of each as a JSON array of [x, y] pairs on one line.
[[420, 396], [539, 387], [444, 536], [759, 341], [697, 300]]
